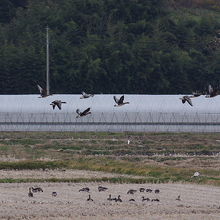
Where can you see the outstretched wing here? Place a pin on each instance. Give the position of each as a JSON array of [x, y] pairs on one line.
[[189, 101], [121, 100], [116, 100], [210, 89], [59, 105], [40, 89], [86, 111], [78, 111]]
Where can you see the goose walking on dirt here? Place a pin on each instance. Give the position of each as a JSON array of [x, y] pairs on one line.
[[90, 199], [85, 95], [30, 193], [57, 103], [120, 101], [85, 189], [84, 113]]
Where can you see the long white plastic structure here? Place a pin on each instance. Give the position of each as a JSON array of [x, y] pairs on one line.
[[145, 113]]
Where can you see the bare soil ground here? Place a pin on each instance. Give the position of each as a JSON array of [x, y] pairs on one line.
[[196, 202]]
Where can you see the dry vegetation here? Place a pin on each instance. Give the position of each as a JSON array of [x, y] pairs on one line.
[[153, 157], [65, 162]]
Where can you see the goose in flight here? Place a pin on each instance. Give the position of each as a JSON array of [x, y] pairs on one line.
[[85, 95], [84, 113], [187, 98], [43, 92], [212, 92], [57, 103], [120, 101]]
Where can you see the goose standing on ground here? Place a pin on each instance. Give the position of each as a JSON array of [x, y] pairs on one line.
[[30, 193], [57, 103], [109, 197], [118, 199], [37, 189], [43, 92], [145, 199], [102, 188], [85, 95], [178, 198], [90, 199], [212, 92], [120, 101], [85, 189], [187, 98], [84, 113], [54, 194], [131, 191]]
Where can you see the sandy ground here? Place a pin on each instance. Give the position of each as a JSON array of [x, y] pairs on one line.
[[197, 202]]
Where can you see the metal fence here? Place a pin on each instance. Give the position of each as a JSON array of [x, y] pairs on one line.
[[111, 121]]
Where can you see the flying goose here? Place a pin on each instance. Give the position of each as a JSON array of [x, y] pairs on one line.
[[57, 103], [187, 98], [85, 95], [84, 113], [43, 92], [120, 101], [212, 92]]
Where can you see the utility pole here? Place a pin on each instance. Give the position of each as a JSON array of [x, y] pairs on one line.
[[48, 71]]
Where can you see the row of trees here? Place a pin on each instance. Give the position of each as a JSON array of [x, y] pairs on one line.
[[107, 46]]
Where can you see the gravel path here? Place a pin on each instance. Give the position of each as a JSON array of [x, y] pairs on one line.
[[196, 202]]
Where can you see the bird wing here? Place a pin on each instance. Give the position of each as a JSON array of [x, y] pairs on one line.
[[78, 111], [83, 93], [116, 100], [59, 105], [210, 89], [121, 100], [40, 88], [86, 111], [189, 101]]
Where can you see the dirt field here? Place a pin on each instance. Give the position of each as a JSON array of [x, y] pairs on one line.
[[196, 202]]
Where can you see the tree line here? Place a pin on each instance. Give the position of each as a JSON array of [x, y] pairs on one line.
[[108, 46]]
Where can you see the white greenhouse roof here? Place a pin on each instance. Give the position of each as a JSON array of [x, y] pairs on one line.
[[105, 103]]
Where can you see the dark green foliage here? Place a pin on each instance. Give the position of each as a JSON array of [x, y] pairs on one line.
[[107, 46]]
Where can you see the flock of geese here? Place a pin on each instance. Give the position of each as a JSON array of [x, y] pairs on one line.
[[118, 198], [212, 92], [58, 103]]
